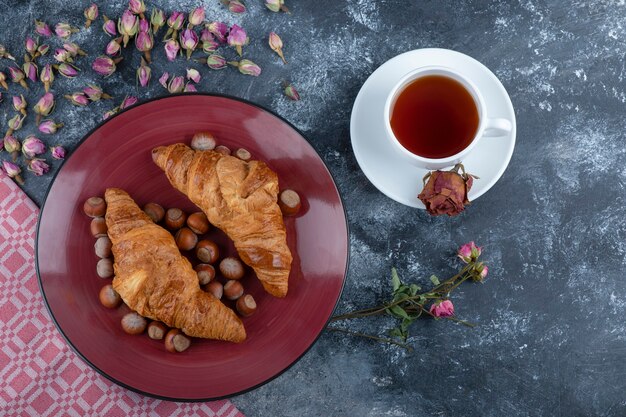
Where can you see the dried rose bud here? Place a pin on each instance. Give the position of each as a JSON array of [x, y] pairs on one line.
[[237, 37], [61, 55], [95, 93], [176, 85], [32, 147], [19, 104], [49, 127], [163, 79], [31, 71], [188, 41], [91, 14], [174, 23], [73, 49], [469, 252], [110, 113], [38, 166], [58, 152], [42, 28], [44, 106], [190, 88], [136, 6], [5, 54], [219, 30], [144, 25], [157, 19], [277, 45], [144, 42], [104, 65], [171, 49], [143, 74], [77, 99], [127, 26], [446, 191], [196, 16], [113, 48], [46, 76], [193, 75], [67, 70], [247, 67], [13, 171], [442, 309], [31, 46], [479, 272], [12, 146], [127, 102], [18, 77], [216, 62], [235, 6], [109, 26], [64, 30], [42, 50], [3, 80]]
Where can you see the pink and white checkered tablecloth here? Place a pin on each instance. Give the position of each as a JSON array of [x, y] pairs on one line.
[[39, 375]]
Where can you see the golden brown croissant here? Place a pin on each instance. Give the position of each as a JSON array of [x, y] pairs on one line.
[[156, 281], [240, 198]]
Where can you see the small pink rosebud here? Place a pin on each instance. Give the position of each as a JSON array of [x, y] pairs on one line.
[[171, 49], [49, 127], [469, 252], [44, 106], [91, 14], [188, 41], [193, 75], [247, 67], [113, 48], [95, 93], [136, 6], [209, 47], [205, 35], [143, 74], [216, 62], [291, 92], [196, 16], [31, 46], [19, 104], [277, 45], [127, 102], [13, 171], [144, 25], [163, 79], [58, 152], [144, 42], [77, 99], [42, 50], [42, 29], [12, 145], [15, 123], [31, 71], [235, 6], [67, 70], [18, 77], [157, 19], [237, 38], [442, 309], [190, 88], [32, 147], [61, 55], [109, 26], [38, 166], [219, 30], [73, 49], [110, 113], [64, 30], [175, 21], [46, 76], [127, 26], [484, 270], [104, 65], [176, 85]]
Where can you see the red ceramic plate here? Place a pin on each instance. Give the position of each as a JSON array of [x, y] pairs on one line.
[[117, 154]]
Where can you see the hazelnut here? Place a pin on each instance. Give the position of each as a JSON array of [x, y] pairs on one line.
[[104, 268], [205, 272], [175, 218], [156, 330], [186, 239], [95, 207], [154, 211], [103, 247], [203, 141], [207, 251], [133, 323], [176, 341], [289, 202], [216, 288], [224, 150], [98, 227], [109, 297], [233, 290], [246, 306], [243, 154], [232, 268], [198, 223]]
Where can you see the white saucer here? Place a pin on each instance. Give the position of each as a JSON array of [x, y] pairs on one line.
[[387, 170]]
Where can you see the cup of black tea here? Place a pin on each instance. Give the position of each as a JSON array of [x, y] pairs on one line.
[[434, 117]]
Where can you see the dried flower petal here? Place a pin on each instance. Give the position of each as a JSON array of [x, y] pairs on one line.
[[95, 93], [163, 79], [31, 71], [73, 49], [13, 171], [193, 75], [196, 16], [277, 45], [67, 70], [176, 85], [58, 152], [104, 65], [19, 104], [64, 30], [171, 49], [77, 99], [236, 6], [127, 102], [109, 26], [44, 106], [49, 126], [113, 48], [247, 67], [91, 14], [219, 30], [127, 26], [190, 88], [38, 166], [143, 74], [237, 37], [31, 46], [42, 28], [216, 62], [32, 147], [136, 6], [188, 41], [157, 19], [442, 309], [46, 76]]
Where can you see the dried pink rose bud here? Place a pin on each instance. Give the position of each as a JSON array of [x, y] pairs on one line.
[[13, 171], [273, 5], [31, 46], [3, 80], [247, 67], [176, 85], [188, 41], [235, 6], [143, 74], [91, 14], [144, 42], [19, 104], [219, 30], [481, 271], [237, 37], [31, 71], [49, 127], [109, 26], [127, 26], [136, 6], [58, 152], [77, 99], [73, 49], [46, 76], [216, 62], [32, 147], [61, 55], [174, 23], [15, 123], [64, 30], [277, 45], [95, 93], [469, 252], [157, 19], [193, 75], [190, 88], [67, 70], [42, 29], [12, 146], [104, 65], [127, 102], [113, 48], [18, 77], [44, 106], [144, 25], [196, 16], [442, 309], [42, 50], [171, 49], [209, 44], [110, 113], [38, 166]]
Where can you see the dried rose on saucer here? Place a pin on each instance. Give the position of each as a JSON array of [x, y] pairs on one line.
[[445, 192]]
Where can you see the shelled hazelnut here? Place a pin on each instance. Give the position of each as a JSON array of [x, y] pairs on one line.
[[243, 154], [289, 202]]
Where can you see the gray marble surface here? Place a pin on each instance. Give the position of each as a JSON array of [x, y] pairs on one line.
[[551, 338]]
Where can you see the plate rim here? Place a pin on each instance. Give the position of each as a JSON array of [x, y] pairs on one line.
[[163, 397]]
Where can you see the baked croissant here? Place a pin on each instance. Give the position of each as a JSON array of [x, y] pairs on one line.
[[156, 281], [240, 198]]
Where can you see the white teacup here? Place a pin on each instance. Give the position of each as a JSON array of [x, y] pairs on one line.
[[486, 126]]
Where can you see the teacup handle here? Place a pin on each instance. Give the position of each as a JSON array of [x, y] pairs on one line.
[[497, 127]]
